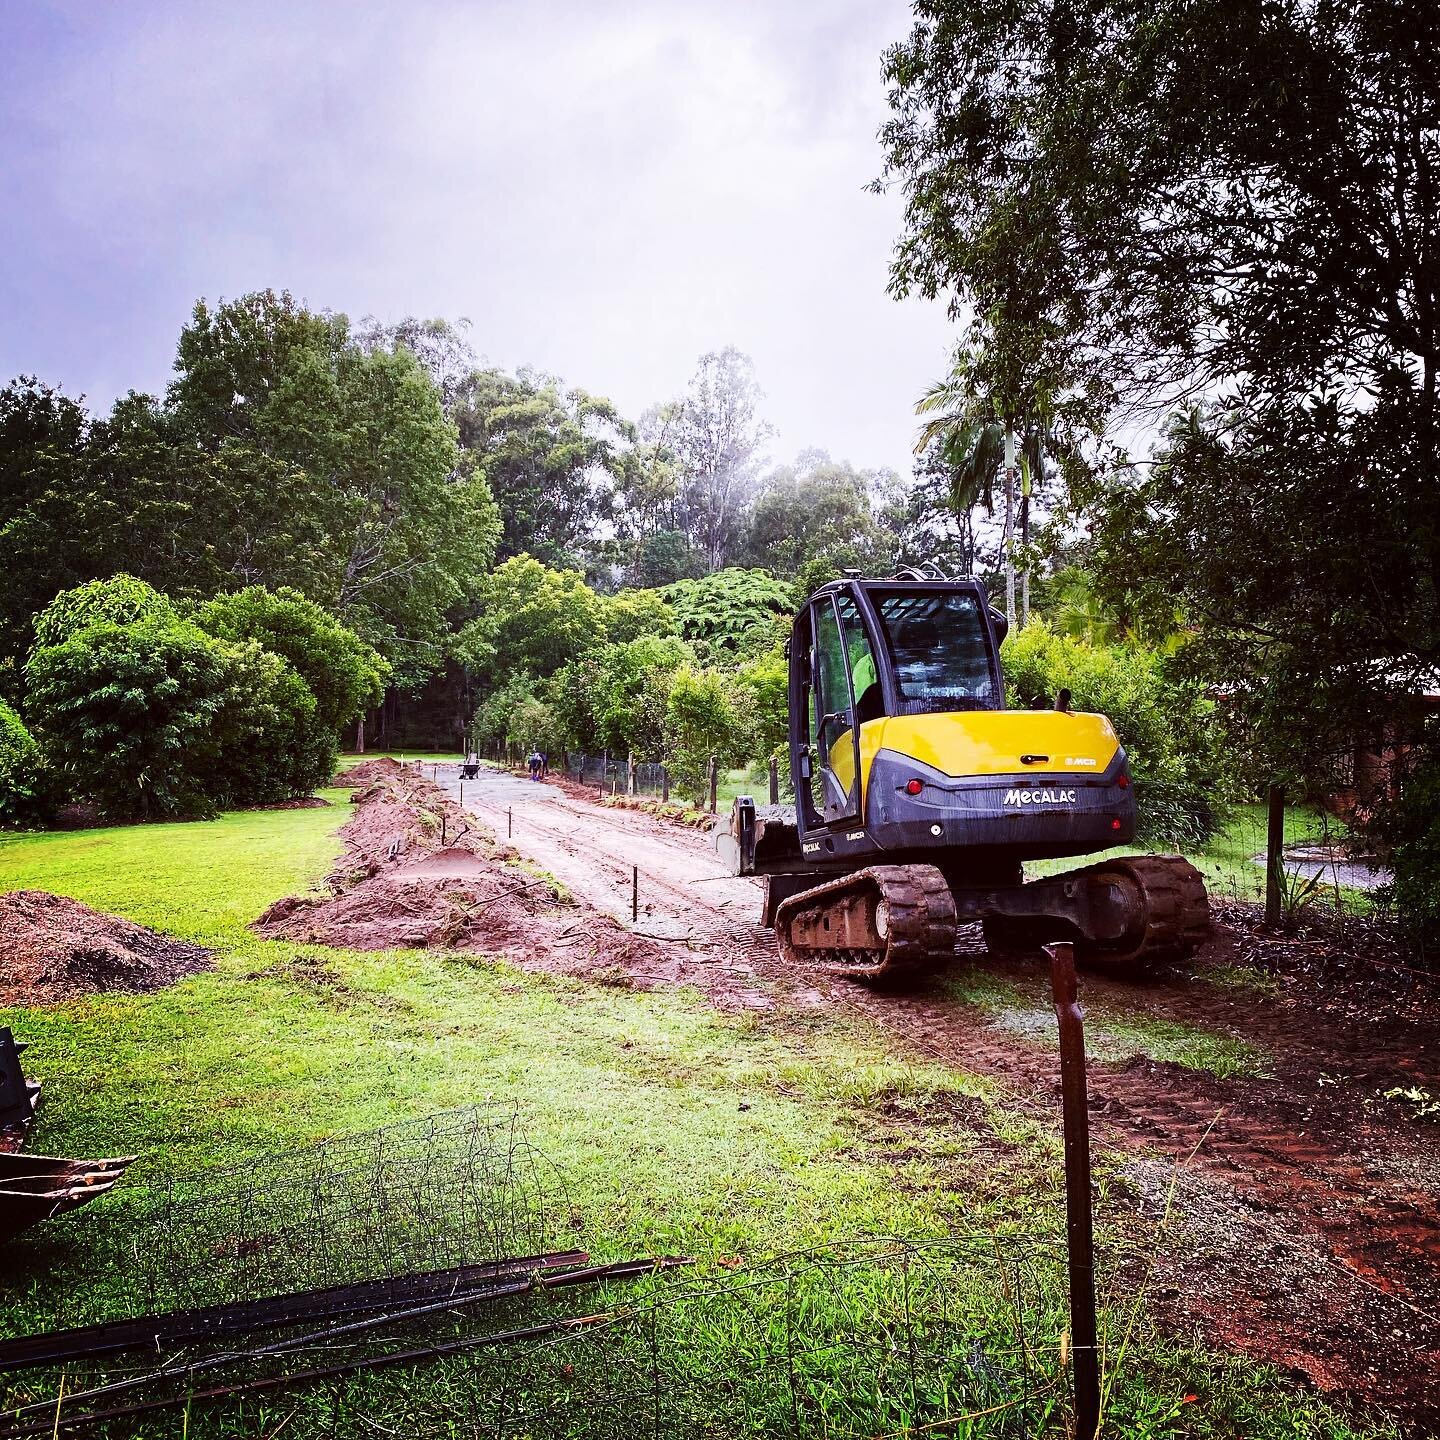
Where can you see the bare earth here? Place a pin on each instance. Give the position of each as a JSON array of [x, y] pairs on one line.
[[1311, 1222]]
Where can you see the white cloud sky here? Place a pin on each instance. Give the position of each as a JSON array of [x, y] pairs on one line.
[[605, 191]]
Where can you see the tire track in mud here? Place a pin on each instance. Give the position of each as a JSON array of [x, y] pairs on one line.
[[1340, 1203]]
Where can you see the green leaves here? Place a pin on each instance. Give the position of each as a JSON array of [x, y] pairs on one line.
[[144, 713]]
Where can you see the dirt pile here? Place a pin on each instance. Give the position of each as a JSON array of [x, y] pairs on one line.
[[368, 771], [418, 874], [53, 948]]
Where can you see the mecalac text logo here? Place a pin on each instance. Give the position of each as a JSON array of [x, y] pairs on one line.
[[1039, 797]]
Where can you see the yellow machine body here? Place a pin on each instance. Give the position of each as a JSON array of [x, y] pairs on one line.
[[982, 742]]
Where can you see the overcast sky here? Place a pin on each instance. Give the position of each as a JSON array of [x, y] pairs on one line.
[[604, 190]]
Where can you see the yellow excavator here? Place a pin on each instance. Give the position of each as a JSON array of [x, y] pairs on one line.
[[919, 796]]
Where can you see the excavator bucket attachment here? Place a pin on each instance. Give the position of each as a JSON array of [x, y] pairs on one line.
[[38, 1187]]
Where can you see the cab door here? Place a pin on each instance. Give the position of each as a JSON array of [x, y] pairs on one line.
[[834, 736]]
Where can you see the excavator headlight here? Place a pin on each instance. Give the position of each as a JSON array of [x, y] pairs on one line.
[[914, 787]]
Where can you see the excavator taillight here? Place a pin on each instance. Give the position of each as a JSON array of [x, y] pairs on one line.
[[914, 787], [1115, 823], [1123, 780]]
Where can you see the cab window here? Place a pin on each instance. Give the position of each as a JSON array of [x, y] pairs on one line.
[[939, 650]]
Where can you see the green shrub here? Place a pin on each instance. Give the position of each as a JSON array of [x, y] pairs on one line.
[[765, 680], [130, 715], [159, 719], [1168, 728], [345, 675], [120, 600], [23, 787], [271, 742]]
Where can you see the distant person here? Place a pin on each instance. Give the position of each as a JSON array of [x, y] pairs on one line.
[[537, 764]]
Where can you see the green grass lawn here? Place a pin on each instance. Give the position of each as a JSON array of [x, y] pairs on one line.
[[681, 1128]]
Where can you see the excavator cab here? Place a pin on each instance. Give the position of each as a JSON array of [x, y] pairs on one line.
[[919, 796], [864, 650]]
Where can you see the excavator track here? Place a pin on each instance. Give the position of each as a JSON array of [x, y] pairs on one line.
[[1170, 894], [1164, 896], [877, 924]]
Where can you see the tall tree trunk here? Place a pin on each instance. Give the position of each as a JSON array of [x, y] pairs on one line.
[[1024, 545], [1009, 523]]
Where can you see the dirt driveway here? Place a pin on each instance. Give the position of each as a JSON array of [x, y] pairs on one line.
[[1313, 1228]]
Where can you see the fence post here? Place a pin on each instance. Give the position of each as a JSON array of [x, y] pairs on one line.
[[774, 781], [604, 769], [1274, 852], [714, 782], [1079, 1222], [630, 773], [664, 785]]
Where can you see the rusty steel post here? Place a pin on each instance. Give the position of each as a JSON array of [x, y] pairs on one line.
[[714, 782], [510, 824], [1274, 852], [634, 893], [1079, 1221], [774, 781]]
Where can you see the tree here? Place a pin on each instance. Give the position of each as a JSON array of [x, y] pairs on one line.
[[815, 519], [635, 613], [345, 675], [701, 720], [979, 440], [631, 690], [284, 453], [930, 529], [732, 612], [1230, 208], [401, 529], [550, 457], [532, 620], [716, 435]]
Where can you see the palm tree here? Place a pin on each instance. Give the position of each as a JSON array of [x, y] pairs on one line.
[[977, 447]]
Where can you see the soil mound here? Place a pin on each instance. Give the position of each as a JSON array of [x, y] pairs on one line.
[[53, 948], [417, 875], [368, 771]]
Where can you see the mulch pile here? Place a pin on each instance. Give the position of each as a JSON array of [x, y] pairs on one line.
[[53, 948], [418, 874]]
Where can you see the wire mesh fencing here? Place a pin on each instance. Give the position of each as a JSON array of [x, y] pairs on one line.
[[460, 1187], [869, 1337]]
